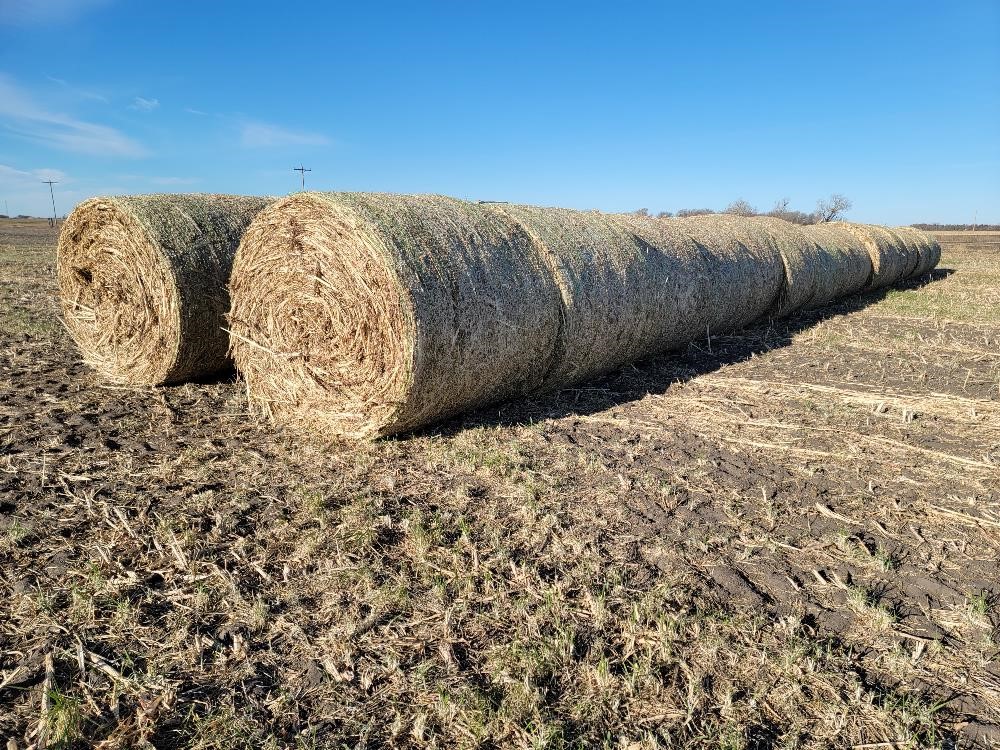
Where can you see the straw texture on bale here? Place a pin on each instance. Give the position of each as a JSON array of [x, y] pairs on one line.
[[143, 282], [624, 293], [744, 268], [926, 247], [839, 262], [891, 260], [798, 256], [368, 314], [363, 315], [910, 249]]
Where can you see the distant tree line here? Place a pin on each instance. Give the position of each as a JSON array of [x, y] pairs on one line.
[[958, 227], [830, 209]]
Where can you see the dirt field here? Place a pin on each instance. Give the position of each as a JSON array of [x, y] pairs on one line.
[[784, 538]]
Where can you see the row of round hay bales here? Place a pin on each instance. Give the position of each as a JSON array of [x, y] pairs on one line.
[[366, 315], [371, 314], [896, 253], [144, 282], [626, 289]]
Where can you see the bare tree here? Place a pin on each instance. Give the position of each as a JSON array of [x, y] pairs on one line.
[[832, 209], [782, 211], [664, 215], [686, 212], [641, 212], [741, 208]]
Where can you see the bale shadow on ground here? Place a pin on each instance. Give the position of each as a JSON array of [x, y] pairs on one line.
[[655, 375]]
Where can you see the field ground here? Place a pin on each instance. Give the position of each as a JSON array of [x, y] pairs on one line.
[[783, 538]]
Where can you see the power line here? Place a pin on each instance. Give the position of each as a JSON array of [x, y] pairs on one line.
[[302, 170], [52, 195]]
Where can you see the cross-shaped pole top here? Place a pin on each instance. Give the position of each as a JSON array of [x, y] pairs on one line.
[[302, 170]]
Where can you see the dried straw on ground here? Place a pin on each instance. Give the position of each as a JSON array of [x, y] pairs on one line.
[[744, 267], [143, 282], [367, 314], [623, 295]]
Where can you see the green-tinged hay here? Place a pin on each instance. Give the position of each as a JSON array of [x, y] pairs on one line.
[[743, 264], [625, 292], [368, 314], [143, 282], [841, 262], [892, 260], [926, 247]]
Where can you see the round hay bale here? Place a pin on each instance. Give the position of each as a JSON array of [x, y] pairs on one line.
[[800, 256], [926, 247], [911, 249], [891, 259], [842, 262], [622, 294], [681, 309], [363, 315], [802, 261], [143, 282], [744, 265]]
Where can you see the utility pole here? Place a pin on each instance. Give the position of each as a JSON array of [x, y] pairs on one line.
[[302, 170], [52, 195]]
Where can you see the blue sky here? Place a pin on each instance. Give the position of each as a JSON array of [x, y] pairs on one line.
[[603, 105]]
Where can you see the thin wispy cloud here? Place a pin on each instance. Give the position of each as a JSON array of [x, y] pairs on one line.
[[34, 12], [264, 135], [13, 177], [24, 193], [50, 174], [21, 115], [193, 111], [144, 105], [78, 92]]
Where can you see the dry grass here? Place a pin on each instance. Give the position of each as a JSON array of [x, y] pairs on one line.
[[25, 253], [144, 282], [787, 541]]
